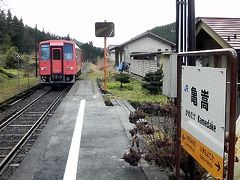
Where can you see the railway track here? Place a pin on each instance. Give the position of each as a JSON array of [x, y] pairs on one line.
[[18, 129]]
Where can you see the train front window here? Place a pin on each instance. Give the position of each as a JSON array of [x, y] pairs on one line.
[[56, 54], [68, 51], [45, 52]]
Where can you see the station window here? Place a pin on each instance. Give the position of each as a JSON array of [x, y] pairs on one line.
[[45, 52], [68, 51]]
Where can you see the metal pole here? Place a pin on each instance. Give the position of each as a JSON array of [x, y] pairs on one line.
[[105, 64], [187, 25], [28, 69], [191, 31], [36, 47], [233, 115], [178, 101], [191, 62], [177, 26], [18, 71], [184, 19], [18, 66], [178, 118]]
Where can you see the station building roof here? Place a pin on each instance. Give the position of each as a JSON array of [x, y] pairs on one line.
[[145, 34], [225, 31]]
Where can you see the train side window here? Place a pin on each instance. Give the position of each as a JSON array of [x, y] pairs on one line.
[[68, 51], [45, 52], [56, 54]]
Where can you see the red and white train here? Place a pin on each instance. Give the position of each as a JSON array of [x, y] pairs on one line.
[[60, 61]]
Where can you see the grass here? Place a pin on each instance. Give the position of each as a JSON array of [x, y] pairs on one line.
[[11, 71], [92, 73], [132, 92], [13, 87], [3, 77], [10, 87]]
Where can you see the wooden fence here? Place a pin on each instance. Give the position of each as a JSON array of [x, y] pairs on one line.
[[141, 67]]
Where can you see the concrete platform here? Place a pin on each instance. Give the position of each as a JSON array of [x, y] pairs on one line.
[[103, 141]]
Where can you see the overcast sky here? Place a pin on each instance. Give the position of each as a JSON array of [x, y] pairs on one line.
[[131, 17]]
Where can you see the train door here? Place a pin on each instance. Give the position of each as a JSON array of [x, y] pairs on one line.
[[57, 64]]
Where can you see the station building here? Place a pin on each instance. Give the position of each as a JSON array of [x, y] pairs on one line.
[[141, 52], [217, 33]]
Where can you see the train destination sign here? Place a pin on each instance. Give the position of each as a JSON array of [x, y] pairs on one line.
[[104, 29], [203, 116]]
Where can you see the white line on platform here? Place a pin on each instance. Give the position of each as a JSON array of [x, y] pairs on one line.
[[72, 162]]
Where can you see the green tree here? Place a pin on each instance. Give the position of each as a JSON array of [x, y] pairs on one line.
[[3, 23], [67, 37], [11, 57], [152, 81], [28, 40], [122, 78], [167, 32], [13, 32], [9, 23], [18, 28], [90, 52], [6, 42]]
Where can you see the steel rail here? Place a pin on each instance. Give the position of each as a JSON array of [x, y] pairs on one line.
[[4, 163], [20, 112]]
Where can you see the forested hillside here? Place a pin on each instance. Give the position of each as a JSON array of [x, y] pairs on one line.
[[91, 53], [13, 32], [166, 31], [17, 38]]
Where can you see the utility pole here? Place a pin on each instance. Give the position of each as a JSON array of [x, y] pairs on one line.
[[191, 30], [185, 41], [191, 62], [36, 48]]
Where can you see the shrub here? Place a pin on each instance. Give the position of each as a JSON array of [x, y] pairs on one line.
[[153, 81], [154, 131], [122, 78], [11, 57], [135, 116]]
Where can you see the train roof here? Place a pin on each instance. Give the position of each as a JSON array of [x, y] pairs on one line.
[[60, 42]]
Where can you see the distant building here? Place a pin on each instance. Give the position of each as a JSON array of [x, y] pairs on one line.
[[141, 52], [111, 54]]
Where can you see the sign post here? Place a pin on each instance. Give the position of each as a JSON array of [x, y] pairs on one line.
[[198, 130], [105, 64], [203, 116], [104, 29]]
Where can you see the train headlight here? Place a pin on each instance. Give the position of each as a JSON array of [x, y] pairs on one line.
[[44, 68], [69, 68]]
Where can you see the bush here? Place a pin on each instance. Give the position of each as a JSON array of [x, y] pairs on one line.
[[11, 57], [2, 59], [154, 131], [122, 78], [153, 81], [135, 116]]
